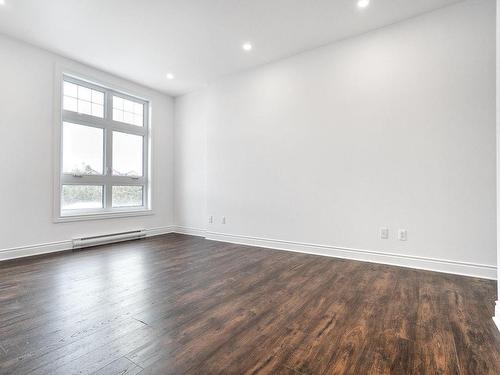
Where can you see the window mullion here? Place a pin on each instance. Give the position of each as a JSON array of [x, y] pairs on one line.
[[145, 157], [108, 151]]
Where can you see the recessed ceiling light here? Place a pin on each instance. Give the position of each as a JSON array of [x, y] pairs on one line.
[[2, 2], [169, 75], [363, 3], [247, 46]]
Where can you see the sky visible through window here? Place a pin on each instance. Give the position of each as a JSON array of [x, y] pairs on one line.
[[83, 151]]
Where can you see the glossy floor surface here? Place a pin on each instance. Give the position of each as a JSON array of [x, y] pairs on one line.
[[177, 304]]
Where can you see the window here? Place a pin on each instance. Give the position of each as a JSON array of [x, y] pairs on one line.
[[84, 100], [104, 151], [127, 111]]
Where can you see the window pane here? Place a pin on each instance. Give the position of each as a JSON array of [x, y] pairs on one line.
[[97, 110], [128, 111], [83, 100], [138, 120], [77, 197], [128, 106], [70, 104], [82, 149], [138, 108], [97, 97], [127, 154], [117, 115], [70, 89], [117, 102], [84, 93], [128, 117], [84, 107], [127, 196]]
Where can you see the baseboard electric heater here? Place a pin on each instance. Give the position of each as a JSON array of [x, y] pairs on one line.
[[79, 243]]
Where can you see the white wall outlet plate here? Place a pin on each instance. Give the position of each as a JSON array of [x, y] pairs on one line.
[[402, 235], [223, 221], [384, 233], [210, 220]]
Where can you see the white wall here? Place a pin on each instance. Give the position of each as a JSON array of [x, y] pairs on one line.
[[26, 144], [190, 158], [497, 308], [392, 128]]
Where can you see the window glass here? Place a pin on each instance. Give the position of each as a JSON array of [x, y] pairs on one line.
[[127, 154], [128, 111], [127, 196], [83, 100], [82, 149], [78, 197]]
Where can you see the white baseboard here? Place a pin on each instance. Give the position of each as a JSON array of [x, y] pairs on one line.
[[496, 318], [409, 261], [31, 250], [159, 231], [47, 248], [431, 264], [189, 230]]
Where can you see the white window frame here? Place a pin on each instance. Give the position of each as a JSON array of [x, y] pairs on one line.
[[107, 180]]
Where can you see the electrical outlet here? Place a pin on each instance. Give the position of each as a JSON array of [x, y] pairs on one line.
[[210, 220], [402, 235], [384, 233], [223, 221]]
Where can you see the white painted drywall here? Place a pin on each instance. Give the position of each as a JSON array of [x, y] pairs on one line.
[[497, 307], [27, 143], [392, 128], [189, 155]]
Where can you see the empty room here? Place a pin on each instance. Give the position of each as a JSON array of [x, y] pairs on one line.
[[289, 187]]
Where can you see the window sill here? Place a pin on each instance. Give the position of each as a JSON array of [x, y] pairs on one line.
[[102, 215]]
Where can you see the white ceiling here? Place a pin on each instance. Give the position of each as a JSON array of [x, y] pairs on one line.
[[197, 40]]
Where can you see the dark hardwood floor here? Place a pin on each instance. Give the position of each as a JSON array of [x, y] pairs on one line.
[[177, 304]]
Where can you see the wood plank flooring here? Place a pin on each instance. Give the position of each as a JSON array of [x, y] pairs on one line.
[[178, 304]]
